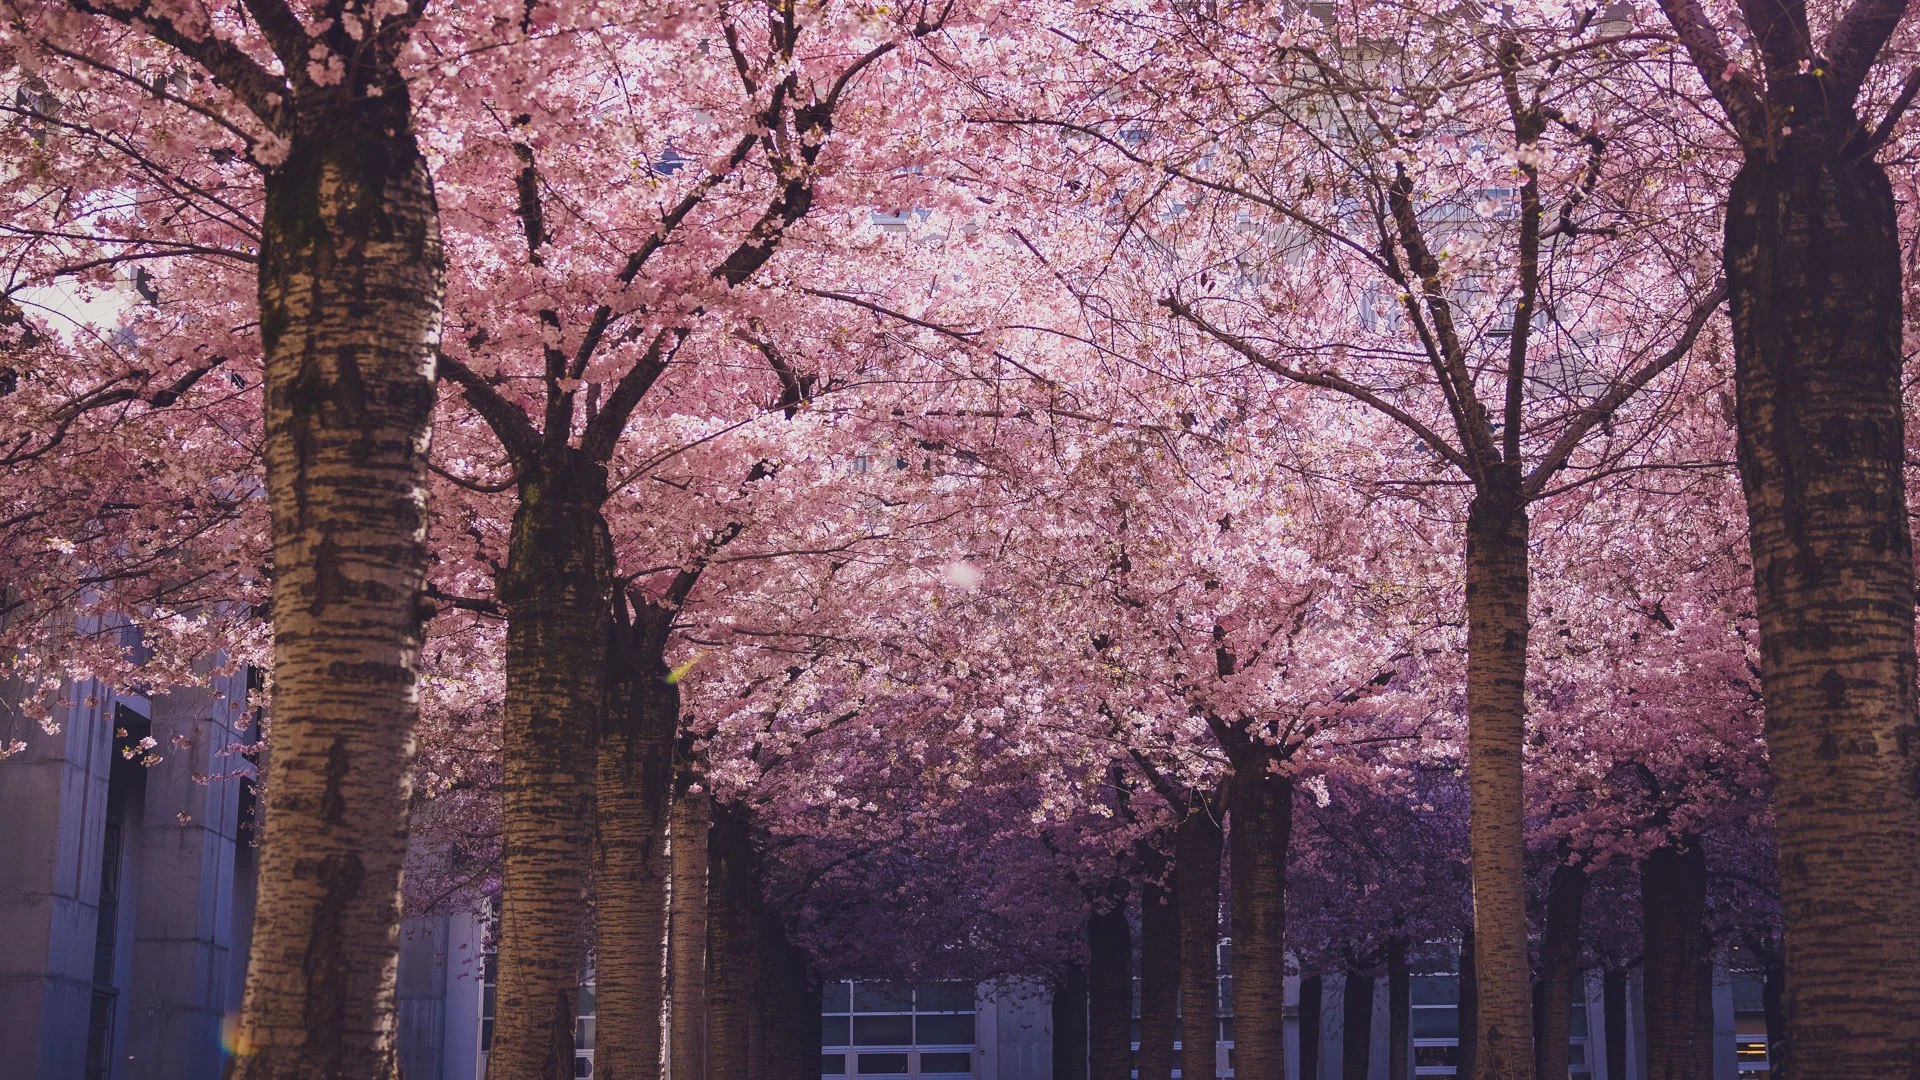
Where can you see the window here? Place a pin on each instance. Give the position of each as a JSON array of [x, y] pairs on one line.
[[883, 1064], [882, 1030], [947, 1061], [895, 1030], [1435, 1024]]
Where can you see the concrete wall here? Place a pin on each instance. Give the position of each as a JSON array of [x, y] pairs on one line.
[[1013, 1029], [53, 801], [182, 963]]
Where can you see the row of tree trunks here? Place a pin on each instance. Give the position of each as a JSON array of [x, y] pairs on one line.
[[1110, 994], [1070, 1025], [1260, 809], [1196, 886], [555, 590], [1559, 971], [1159, 971], [631, 867]]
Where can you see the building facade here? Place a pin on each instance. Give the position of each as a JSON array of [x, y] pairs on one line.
[[127, 889]]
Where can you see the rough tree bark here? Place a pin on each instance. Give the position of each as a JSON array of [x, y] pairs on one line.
[[1260, 808], [1110, 994], [1559, 970], [1399, 1010], [350, 285], [1813, 267], [1070, 1025], [1496, 709], [1159, 972], [1312, 995], [730, 948], [633, 788], [1812, 259], [1356, 1026], [1673, 895], [1196, 885], [555, 589], [691, 817]]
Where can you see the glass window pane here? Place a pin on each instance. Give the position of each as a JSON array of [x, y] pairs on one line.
[[583, 1066], [1436, 1023], [946, 997], [833, 997], [1435, 990], [1436, 1055], [833, 1031], [583, 1033], [945, 1030], [833, 1064], [1579, 1028], [1576, 1053], [586, 1002], [882, 1064], [881, 997], [951, 1062], [883, 1031]]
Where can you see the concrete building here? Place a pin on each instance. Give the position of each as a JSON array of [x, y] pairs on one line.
[[127, 890], [126, 885]]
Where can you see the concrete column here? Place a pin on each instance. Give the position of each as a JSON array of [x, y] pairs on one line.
[[1725, 1065], [466, 979], [53, 801], [421, 996], [183, 928]]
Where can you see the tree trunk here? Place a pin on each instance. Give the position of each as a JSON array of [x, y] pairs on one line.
[[1312, 995], [633, 790], [1159, 974], [1110, 995], [555, 590], [1559, 971], [692, 816], [1260, 803], [1070, 1025], [1196, 885], [1469, 1010], [730, 949], [350, 284], [1496, 718], [1814, 278], [798, 1056], [1356, 1026], [1673, 894], [1399, 1010], [1613, 1001]]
